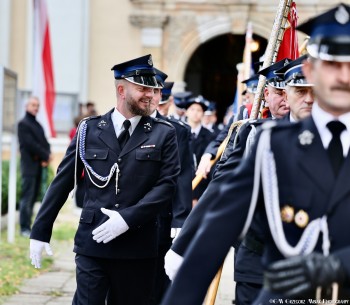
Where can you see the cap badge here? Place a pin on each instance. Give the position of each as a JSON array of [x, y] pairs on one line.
[[137, 72], [341, 15], [306, 137], [102, 123], [147, 127], [286, 62], [287, 214], [150, 61], [301, 219]]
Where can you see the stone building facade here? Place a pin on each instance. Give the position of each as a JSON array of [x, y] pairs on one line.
[[196, 42]]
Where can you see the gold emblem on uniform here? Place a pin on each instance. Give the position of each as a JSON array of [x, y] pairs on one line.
[[306, 137], [287, 213], [301, 219]]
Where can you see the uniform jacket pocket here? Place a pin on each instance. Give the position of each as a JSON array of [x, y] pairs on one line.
[[96, 154], [145, 154], [87, 216]]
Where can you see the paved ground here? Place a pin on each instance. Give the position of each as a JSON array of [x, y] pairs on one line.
[[57, 286]]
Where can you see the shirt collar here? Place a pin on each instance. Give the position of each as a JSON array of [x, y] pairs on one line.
[[322, 118], [197, 129], [118, 120], [154, 114]]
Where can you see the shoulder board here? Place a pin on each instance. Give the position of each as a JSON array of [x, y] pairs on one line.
[[173, 120], [162, 121], [88, 118], [257, 122], [276, 124]]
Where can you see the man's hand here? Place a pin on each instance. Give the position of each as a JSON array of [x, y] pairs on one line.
[[204, 166], [174, 233], [112, 228], [36, 249], [172, 263], [296, 275]]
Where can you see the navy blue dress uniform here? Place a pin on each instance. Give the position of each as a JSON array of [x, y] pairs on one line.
[[175, 213], [304, 217], [199, 143], [180, 101], [213, 127], [136, 181], [34, 149]]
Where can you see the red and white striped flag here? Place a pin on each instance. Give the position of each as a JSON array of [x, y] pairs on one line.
[[43, 81]]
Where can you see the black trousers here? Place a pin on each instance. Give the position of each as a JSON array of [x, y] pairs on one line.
[[29, 193], [246, 293], [113, 281]]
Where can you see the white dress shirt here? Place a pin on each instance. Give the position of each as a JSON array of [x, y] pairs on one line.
[[322, 118], [118, 120]]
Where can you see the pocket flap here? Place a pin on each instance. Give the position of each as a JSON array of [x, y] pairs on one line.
[[96, 154], [152, 154]]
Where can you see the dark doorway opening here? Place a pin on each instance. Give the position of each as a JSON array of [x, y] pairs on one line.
[[211, 71]]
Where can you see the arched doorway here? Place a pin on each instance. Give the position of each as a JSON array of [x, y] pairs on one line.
[[211, 70]]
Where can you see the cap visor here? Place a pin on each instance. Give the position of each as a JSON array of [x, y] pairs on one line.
[[145, 81]]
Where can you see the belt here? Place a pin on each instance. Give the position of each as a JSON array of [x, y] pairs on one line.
[[253, 244]]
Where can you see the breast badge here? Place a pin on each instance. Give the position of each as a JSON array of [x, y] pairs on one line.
[[287, 214], [301, 219]]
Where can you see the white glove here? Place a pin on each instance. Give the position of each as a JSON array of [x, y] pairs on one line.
[[174, 233], [112, 228], [204, 166], [36, 249], [172, 263]]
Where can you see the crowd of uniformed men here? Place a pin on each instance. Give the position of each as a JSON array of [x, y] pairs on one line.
[[279, 193]]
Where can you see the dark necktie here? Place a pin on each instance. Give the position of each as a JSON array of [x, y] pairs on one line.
[[335, 148], [124, 135]]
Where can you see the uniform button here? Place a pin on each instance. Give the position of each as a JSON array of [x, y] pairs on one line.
[[119, 174], [116, 205], [95, 155], [118, 191], [119, 160]]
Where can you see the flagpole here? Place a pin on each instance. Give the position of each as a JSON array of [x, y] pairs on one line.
[[271, 51]]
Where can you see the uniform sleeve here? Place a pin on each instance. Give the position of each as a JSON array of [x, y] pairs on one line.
[[182, 203], [56, 195], [219, 229]]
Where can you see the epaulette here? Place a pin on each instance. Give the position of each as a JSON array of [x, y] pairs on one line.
[[257, 122], [179, 122], [88, 118], [93, 117], [162, 121], [278, 124]]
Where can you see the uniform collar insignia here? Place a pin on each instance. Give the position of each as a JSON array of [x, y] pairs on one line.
[[306, 137], [147, 127], [102, 123], [341, 15]]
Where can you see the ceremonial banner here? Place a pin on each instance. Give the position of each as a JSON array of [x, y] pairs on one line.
[[43, 80], [289, 45]]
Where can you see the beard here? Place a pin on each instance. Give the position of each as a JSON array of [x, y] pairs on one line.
[[135, 109]]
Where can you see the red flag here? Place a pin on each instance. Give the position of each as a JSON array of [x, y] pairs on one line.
[[43, 81], [289, 45]]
